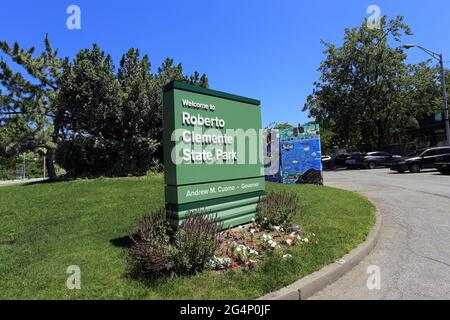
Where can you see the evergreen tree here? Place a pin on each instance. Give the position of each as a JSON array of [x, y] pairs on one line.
[[28, 102]]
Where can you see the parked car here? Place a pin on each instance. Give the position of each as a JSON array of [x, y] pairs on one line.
[[327, 163], [339, 160], [422, 159], [370, 160], [443, 164]]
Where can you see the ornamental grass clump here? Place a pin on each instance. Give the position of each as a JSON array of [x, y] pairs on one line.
[[276, 209]]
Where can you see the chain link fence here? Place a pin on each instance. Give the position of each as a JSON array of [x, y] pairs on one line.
[[20, 169]]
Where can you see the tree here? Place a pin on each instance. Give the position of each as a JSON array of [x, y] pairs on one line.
[[166, 73], [113, 122], [28, 102], [366, 91], [88, 100], [107, 118], [278, 126]]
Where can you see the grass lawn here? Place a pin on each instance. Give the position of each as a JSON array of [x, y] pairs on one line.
[[46, 227]]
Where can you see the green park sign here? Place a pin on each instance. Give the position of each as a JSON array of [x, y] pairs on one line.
[[213, 157]]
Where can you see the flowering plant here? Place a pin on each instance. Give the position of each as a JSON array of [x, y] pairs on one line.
[[244, 246]]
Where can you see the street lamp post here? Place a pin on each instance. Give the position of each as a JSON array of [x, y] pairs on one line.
[[440, 58]]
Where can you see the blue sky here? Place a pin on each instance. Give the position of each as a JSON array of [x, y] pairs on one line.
[[266, 49]]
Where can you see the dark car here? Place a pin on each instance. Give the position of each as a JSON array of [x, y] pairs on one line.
[[443, 164], [370, 160], [328, 163], [422, 159], [339, 160]]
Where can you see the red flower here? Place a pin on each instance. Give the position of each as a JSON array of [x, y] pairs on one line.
[[310, 242], [234, 266]]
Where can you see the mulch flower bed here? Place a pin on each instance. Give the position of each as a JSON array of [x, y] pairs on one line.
[[243, 247]]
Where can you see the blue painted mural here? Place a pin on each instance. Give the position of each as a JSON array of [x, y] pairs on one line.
[[300, 156]]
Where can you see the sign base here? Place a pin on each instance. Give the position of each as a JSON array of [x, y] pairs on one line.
[[231, 211]]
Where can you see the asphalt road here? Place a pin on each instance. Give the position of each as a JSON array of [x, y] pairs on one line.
[[413, 253]]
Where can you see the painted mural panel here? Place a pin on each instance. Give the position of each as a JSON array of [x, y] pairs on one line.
[[301, 155]]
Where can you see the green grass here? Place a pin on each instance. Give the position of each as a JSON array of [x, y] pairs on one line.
[[44, 228]]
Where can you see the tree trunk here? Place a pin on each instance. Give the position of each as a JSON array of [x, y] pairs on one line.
[[49, 164]]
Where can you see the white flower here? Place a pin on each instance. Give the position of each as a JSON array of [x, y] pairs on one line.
[[271, 241], [287, 256], [219, 263], [292, 234], [253, 219], [252, 230], [276, 228], [306, 240], [274, 244], [238, 249], [288, 241], [241, 227], [264, 236], [298, 237], [270, 237]]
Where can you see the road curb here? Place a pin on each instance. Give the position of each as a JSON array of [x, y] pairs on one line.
[[313, 283]]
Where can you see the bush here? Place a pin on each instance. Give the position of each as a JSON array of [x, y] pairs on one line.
[[155, 259], [155, 167], [276, 209], [153, 228], [151, 251], [196, 242], [88, 156], [156, 250]]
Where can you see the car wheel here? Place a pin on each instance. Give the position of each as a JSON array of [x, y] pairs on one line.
[[446, 172], [371, 165], [414, 168]]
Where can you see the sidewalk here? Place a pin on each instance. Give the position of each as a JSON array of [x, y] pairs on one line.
[[8, 183]]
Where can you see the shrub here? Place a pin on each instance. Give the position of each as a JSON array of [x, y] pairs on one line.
[[276, 209], [88, 156], [151, 251], [196, 242], [153, 228], [155, 259], [156, 250], [155, 167]]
